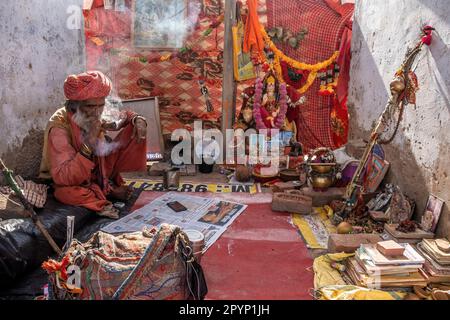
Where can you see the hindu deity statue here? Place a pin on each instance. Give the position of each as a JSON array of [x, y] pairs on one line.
[[270, 108]]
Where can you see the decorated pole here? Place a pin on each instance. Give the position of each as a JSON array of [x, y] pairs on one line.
[[397, 101]]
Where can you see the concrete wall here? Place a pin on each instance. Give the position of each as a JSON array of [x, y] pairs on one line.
[[420, 153], [40, 46]]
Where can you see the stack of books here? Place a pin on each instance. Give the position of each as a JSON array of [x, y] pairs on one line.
[[437, 262], [371, 268]]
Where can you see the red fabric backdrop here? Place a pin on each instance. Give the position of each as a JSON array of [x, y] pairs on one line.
[[323, 120]]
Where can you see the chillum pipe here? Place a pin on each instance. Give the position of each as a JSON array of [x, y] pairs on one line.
[[28, 207]]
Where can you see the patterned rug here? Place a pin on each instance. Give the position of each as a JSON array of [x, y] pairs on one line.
[[314, 228], [140, 73]]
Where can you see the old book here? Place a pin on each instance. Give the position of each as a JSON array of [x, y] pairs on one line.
[[410, 256], [372, 269], [405, 279], [413, 279], [434, 278], [358, 277], [438, 255], [432, 264], [427, 247], [431, 243]]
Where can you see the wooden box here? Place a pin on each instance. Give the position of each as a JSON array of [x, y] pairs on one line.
[[292, 202]]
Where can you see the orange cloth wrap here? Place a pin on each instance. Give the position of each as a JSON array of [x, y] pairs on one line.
[[253, 40]]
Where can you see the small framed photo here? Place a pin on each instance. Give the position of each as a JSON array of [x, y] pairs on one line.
[[160, 24], [432, 213]]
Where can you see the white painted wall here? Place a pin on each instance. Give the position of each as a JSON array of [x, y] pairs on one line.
[[420, 153], [42, 42]]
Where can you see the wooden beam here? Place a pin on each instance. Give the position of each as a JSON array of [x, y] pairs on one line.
[[229, 85]]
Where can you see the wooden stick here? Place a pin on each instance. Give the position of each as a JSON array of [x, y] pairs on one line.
[[28, 207]]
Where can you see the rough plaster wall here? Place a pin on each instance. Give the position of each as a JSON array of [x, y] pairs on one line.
[[420, 153], [38, 52]]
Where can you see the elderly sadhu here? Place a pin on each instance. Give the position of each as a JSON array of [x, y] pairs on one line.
[[78, 155]]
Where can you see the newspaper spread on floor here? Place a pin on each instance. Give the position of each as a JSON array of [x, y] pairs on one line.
[[208, 215]]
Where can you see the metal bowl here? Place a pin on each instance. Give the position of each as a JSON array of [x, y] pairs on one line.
[[264, 179], [289, 175]]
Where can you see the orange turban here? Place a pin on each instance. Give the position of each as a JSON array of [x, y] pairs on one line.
[[87, 85]]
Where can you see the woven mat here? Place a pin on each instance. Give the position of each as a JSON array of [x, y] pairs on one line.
[[314, 228]]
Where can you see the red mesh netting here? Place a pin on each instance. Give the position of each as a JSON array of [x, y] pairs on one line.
[[325, 27]]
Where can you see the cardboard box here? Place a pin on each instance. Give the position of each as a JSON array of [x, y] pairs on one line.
[[390, 248], [348, 243]]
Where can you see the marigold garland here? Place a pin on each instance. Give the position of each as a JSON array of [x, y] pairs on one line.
[[313, 68], [328, 89]]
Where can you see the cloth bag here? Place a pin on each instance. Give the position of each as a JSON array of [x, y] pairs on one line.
[[192, 280], [137, 266]]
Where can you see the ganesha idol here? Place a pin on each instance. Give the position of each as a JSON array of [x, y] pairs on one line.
[[270, 105]]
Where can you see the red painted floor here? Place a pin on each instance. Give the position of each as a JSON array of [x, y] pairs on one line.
[[260, 256]]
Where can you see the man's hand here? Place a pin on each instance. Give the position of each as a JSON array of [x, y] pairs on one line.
[[117, 124], [139, 130], [114, 125]]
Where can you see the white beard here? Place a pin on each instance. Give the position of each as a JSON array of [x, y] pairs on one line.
[[102, 147], [83, 121]]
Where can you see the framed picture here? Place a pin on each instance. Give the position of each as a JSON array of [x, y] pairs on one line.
[[432, 212], [149, 108], [243, 66], [159, 24]]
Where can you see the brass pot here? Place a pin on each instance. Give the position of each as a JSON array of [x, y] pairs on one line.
[[322, 168], [321, 181]]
